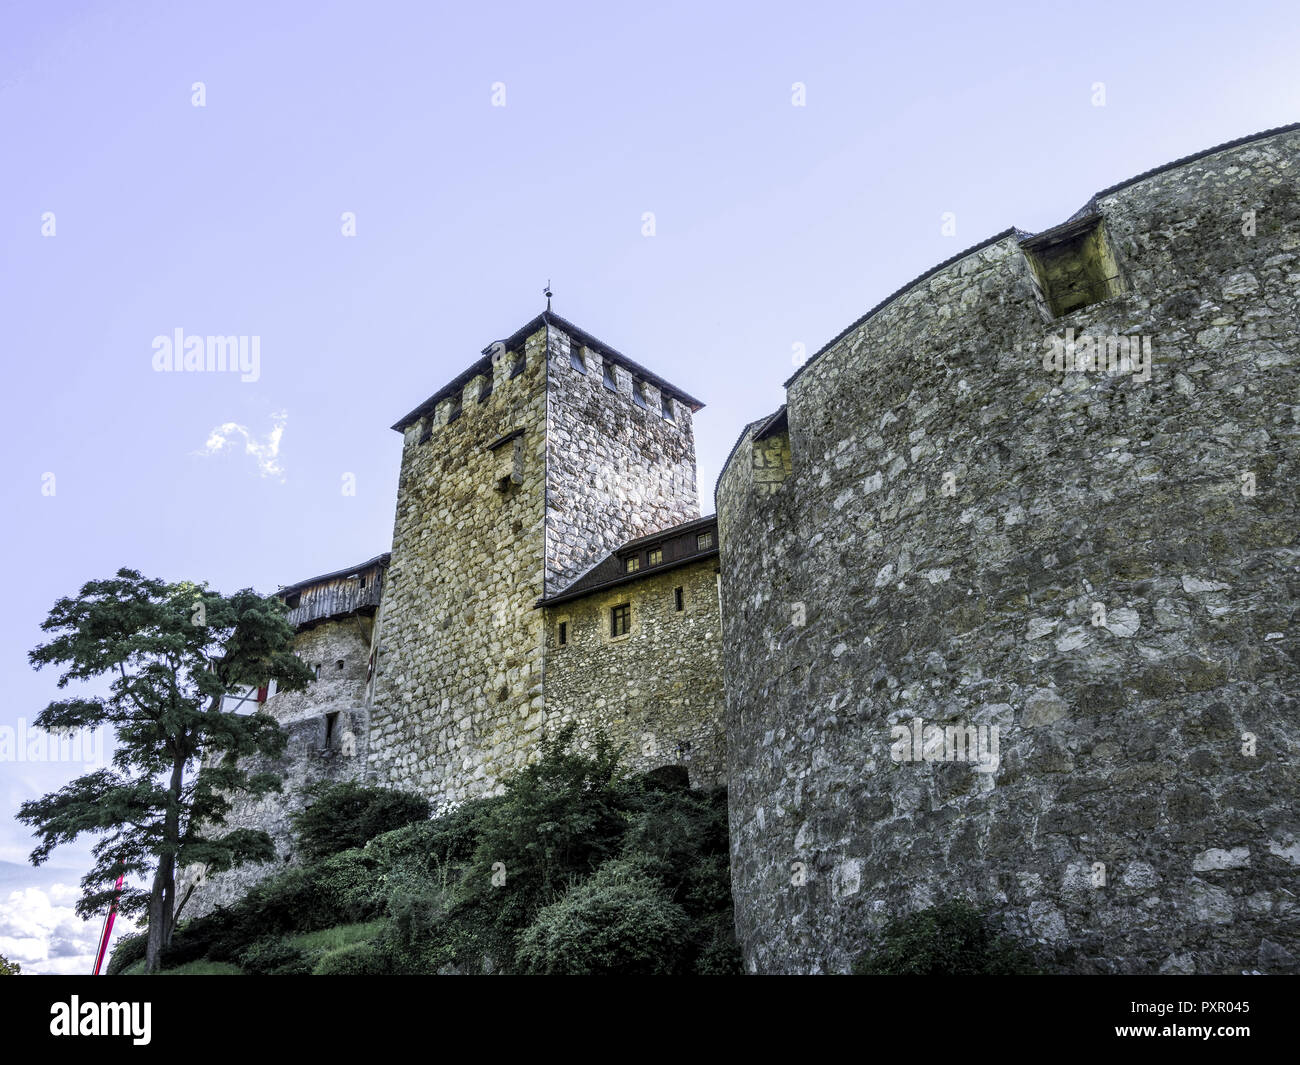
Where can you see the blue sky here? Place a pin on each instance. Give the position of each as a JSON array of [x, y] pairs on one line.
[[775, 225]]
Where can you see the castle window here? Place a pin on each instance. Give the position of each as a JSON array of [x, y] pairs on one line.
[[632, 564], [575, 358], [666, 403], [339, 664], [678, 600], [620, 619], [638, 394], [293, 601], [317, 671], [331, 720], [611, 382], [704, 541], [654, 556], [455, 411], [1073, 265], [562, 637], [518, 367]]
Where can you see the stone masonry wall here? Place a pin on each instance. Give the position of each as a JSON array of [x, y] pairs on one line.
[[617, 471], [653, 690], [308, 757], [458, 692], [1102, 568]]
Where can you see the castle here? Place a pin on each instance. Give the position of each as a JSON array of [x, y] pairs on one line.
[[549, 565], [1002, 599]]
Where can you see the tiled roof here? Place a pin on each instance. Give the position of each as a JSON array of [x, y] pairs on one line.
[[679, 546]]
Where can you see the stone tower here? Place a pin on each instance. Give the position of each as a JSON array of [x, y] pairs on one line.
[[547, 454]]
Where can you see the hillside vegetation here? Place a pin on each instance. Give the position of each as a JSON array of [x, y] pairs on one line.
[[577, 868]]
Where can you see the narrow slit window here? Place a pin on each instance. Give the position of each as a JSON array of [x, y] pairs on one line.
[[678, 600], [638, 393], [666, 404], [563, 635], [331, 723], [576, 359], [611, 382]]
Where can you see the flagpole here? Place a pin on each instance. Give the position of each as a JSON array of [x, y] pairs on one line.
[[108, 926]]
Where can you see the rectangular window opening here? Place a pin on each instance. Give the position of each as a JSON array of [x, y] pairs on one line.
[[638, 394], [633, 564], [611, 382], [620, 619], [667, 406], [517, 367], [331, 721], [704, 541], [563, 635], [678, 603], [654, 556], [1074, 266], [576, 359]]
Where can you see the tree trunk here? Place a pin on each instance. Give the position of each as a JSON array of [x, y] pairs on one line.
[[162, 899], [153, 948]]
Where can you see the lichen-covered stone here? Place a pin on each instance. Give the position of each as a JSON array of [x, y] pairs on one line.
[[1101, 567]]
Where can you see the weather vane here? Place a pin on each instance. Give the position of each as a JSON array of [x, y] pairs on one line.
[[547, 293]]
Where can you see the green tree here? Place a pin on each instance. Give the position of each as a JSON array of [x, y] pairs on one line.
[[170, 652], [9, 968]]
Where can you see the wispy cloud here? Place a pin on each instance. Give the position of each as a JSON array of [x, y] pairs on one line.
[[265, 452]]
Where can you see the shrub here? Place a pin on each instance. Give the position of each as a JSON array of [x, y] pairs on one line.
[[360, 959], [9, 968], [559, 819], [274, 957], [219, 934], [342, 816], [953, 939], [129, 949], [620, 922], [288, 902], [349, 885]]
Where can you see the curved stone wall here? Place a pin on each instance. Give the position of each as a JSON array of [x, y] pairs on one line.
[[948, 536]]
